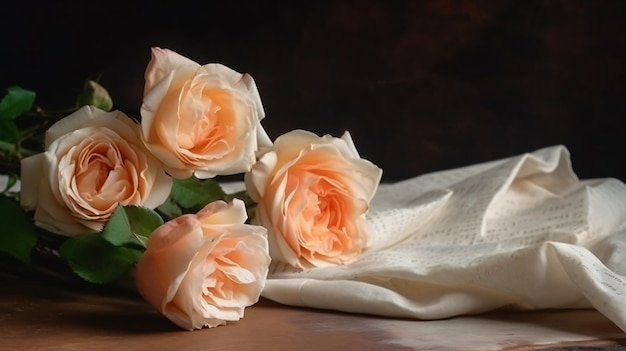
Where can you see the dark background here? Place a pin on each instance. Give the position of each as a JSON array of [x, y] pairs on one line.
[[421, 85]]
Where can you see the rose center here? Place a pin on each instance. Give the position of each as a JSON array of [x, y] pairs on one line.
[[210, 125], [101, 176], [318, 202], [95, 168]]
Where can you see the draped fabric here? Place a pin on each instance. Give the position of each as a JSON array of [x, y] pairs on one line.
[[522, 232]]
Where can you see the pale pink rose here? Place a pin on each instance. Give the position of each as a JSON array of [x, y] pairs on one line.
[[313, 194], [94, 160], [202, 270], [200, 120]]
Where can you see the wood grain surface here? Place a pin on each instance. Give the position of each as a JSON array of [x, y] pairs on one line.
[[42, 313]]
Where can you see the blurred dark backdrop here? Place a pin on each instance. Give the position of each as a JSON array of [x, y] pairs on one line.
[[421, 85]]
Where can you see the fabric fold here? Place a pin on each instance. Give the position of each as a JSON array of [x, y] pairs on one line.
[[521, 232]]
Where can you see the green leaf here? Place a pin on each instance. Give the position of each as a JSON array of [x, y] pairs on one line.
[[96, 95], [169, 209], [18, 235], [9, 133], [131, 226], [193, 193], [16, 101], [97, 260]]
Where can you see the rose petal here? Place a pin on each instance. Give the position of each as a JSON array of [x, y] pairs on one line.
[[201, 120], [94, 160], [312, 194], [203, 270]]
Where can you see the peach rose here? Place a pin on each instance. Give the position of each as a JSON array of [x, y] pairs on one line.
[[204, 269], [94, 160], [312, 194], [202, 120]]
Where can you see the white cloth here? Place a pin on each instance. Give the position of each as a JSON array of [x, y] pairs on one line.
[[522, 232]]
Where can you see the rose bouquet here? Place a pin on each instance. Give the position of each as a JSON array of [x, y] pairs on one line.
[[113, 196]]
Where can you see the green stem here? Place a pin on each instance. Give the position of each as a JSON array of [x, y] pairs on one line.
[[8, 147], [13, 154], [38, 111]]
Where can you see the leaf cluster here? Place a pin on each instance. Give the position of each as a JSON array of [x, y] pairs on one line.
[[107, 256]]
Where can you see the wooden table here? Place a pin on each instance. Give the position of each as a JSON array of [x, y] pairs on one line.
[[41, 313]]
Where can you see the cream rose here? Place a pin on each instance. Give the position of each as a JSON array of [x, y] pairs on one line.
[[312, 194], [202, 270], [200, 120], [94, 160]]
